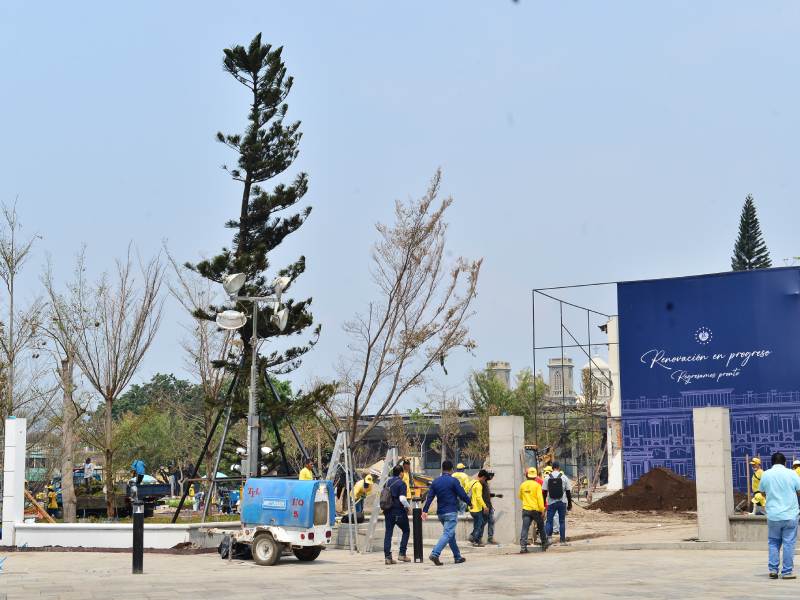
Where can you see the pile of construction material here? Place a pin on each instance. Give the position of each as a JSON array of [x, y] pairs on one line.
[[658, 489]]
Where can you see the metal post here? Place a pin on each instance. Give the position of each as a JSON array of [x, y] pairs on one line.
[[212, 488], [138, 536], [252, 414], [416, 519], [231, 386]]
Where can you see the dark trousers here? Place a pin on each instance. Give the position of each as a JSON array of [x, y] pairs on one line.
[[478, 523], [528, 517], [557, 508], [396, 517], [490, 524]]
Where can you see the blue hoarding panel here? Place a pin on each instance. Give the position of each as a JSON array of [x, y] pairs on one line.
[[728, 339]]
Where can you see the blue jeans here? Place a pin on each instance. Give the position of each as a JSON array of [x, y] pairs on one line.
[[396, 517], [479, 521], [449, 521], [781, 533], [560, 508], [490, 524]]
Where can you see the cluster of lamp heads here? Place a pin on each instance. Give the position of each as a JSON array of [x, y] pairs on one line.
[[234, 319]]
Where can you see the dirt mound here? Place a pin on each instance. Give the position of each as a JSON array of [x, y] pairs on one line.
[[658, 489]]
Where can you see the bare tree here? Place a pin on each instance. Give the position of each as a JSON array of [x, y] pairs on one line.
[[448, 408], [206, 345], [397, 436], [420, 316], [26, 388], [114, 322], [58, 328]]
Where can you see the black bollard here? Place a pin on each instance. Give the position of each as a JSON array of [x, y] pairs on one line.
[[416, 519], [138, 535]]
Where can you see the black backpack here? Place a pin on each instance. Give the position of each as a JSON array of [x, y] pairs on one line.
[[387, 501], [555, 487]]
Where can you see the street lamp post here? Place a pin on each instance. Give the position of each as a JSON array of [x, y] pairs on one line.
[[233, 319]]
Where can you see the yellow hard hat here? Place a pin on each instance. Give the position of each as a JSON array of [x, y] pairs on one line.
[[548, 469], [368, 480], [532, 472], [755, 461], [461, 466]]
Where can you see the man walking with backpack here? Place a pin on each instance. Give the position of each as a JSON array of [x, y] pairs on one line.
[[448, 491], [559, 500], [395, 506]]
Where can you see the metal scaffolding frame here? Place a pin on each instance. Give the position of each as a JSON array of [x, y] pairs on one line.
[[550, 415]]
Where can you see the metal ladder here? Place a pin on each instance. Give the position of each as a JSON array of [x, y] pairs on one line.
[[343, 457], [388, 465]]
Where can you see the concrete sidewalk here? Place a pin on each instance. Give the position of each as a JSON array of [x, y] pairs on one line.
[[338, 574]]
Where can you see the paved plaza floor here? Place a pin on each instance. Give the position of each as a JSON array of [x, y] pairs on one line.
[[559, 573]]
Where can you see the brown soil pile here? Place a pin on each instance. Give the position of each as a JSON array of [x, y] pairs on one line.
[[658, 489]]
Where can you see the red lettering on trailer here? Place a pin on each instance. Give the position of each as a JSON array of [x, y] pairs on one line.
[[297, 502], [295, 514], [253, 492]]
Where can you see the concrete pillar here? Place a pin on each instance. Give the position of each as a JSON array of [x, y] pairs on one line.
[[614, 422], [712, 462], [13, 478], [506, 443]]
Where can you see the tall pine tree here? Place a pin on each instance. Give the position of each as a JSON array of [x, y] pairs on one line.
[[750, 251], [266, 149]]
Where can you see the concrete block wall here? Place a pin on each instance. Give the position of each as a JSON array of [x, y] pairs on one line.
[[506, 441], [120, 535], [713, 475]]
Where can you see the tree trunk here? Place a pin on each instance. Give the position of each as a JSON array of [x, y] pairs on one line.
[[111, 508], [69, 503]]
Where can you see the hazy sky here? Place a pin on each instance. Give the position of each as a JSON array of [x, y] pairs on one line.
[[581, 141]]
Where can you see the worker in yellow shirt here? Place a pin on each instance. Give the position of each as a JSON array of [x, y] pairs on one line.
[[796, 466], [307, 472], [759, 504], [757, 473], [464, 480], [52, 501], [478, 508], [530, 492], [360, 491], [406, 476]]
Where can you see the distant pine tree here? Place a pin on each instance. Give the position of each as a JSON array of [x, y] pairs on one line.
[[750, 251]]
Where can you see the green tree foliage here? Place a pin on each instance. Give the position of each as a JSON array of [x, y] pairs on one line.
[[161, 389], [266, 149], [489, 397], [750, 251]]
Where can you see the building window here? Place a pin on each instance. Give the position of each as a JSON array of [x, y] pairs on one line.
[[739, 426], [654, 429], [763, 425], [786, 424], [677, 429]]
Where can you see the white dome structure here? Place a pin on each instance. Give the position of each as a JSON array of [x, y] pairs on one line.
[[601, 378]]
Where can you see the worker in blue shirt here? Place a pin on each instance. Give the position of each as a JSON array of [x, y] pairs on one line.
[[448, 491], [781, 486], [137, 470]]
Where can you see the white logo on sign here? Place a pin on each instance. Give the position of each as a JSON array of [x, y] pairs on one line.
[[703, 335]]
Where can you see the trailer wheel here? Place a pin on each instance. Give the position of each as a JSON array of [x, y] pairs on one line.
[[308, 553], [266, 550]]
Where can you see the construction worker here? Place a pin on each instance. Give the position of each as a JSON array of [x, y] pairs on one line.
[[464, 480], [396, 515], [530, 492], [559, 497], [755, 481], [796, 466], [759, 504], [406, 476], [360, 491], [193, 499], [52, 501], [478, 508], [307, 472], [547, 470]]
